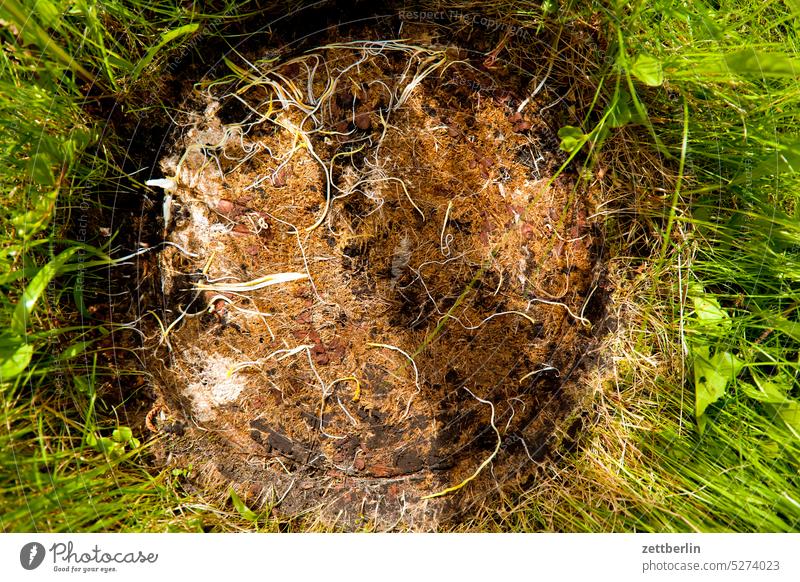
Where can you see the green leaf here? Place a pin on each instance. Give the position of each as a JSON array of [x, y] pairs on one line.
[[75, 350], [572, 138], [773, 390], [29, 223], [166, 38], [760, 64], [15, 355], [105, 445], [711, 377], [707, 310], [40, 171], [648, 70], [34, 290], [84, 384], [774, 393], [619, 112], [549, 6], [789, 414], [780, 323], [122, 434], [49, 14], [243, 510]]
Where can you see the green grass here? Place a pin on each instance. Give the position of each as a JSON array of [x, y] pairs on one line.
[[62, 470], [723, 290], [700, 103]]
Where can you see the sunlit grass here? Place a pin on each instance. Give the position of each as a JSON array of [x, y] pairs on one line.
[[711, 100]]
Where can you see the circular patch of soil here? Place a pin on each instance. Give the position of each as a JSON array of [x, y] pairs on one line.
[[379, 298]]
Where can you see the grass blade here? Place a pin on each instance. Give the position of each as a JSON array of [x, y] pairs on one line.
[[166, 38]]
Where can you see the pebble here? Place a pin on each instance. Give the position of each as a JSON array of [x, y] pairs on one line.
[[225, 206], [363, 121]]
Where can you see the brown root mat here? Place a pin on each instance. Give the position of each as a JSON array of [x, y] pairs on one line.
[[380, 293]]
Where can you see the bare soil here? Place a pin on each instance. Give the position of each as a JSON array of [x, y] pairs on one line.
[[447, 296]]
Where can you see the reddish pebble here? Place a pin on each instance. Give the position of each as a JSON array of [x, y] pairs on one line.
[[452, 131], [363, 121], [241, 229], [515, 117], [472, 164], [279, 178], [225, 206], [522, 126], [359, 464]]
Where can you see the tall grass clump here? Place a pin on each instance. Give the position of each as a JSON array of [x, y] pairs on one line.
[[70, 462], [697, 426]]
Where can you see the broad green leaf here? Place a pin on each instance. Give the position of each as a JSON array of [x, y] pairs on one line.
[[789, 413], [15, 355], [49, 14], [752, 62], [105, 445], [84, 384], [780, 323], [29, 223], [619, 112], [707, 309], [166, 38], [711, 377], [75, 350], [122, 434], [40, 171], [34, 290], [774, 390], [243, 510], [599, 135], [572, 138], [648, 70], [79, 139]]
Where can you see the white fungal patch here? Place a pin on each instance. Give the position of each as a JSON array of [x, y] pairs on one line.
[[214, 385]]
